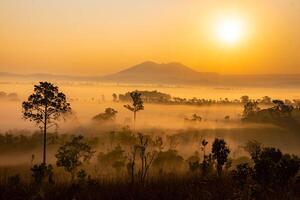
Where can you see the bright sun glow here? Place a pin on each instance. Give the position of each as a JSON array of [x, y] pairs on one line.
[[229, 30]]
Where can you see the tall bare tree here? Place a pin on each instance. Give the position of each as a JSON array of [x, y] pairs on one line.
[[45, 107]]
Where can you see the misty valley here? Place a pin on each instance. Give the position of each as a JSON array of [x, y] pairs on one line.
[[89, 140], [149, 100]]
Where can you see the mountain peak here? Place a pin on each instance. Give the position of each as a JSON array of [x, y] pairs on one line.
[[151, 67], [152, 72]]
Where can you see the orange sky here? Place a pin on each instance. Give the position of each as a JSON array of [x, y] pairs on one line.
[[88, 37]]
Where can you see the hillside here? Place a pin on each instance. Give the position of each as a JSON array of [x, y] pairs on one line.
[[166, 73]]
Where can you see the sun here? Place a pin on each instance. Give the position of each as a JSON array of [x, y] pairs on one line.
[[229, 29]]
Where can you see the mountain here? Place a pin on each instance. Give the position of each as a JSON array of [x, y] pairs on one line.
[[165, 73], [168, 74]]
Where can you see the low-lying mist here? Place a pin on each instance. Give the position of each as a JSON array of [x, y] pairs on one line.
[[155, 120]]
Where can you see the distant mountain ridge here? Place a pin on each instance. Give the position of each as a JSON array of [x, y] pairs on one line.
[[167, 73], [170, 74]]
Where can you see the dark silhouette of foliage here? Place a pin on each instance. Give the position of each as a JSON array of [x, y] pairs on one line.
[[108, 115], [40, 172], [45, 106], [81, 175], [266, 100], [202, 146], [147, 96], [115, 97], [220, 153], [279, 114], [242, 173], [194, 162], [132, 162], [194, 118], [168, 160], [250, 110], [146, 156], [137, 104], [253, 148], [245, 99], [115, 158], [272, 168], [73, 154], [207, 165]]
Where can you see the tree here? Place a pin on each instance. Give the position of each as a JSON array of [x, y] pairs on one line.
[[132, 162], [108, 115], [147, 156], [241, 174], [250, 110], [168, 160], [40, 172], [266, 100], [202, 146], [115, 158], [45, 107], [282, 109], [73, 154], [136, 106], [274, 169], [115, 97], [253, 148], [245, 99], [220, 152]]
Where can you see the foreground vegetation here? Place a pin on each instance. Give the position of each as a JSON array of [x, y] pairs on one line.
[[149, 170], [126, 163]]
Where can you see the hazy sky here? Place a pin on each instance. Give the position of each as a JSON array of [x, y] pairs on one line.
[[88, 37]]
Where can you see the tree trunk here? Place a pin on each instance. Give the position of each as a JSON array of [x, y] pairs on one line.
[[45, 140], [219, 170], [134, 119], [132, 172], [45, 136]]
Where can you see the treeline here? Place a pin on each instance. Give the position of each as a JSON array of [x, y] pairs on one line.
[[163, 98], [280, 113]]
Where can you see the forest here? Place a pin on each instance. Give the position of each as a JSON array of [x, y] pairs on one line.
[[107, 160]]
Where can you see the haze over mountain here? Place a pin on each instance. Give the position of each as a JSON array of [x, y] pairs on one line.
[[168, 73]]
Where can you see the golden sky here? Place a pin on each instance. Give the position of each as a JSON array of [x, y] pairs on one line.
[[88, 37]]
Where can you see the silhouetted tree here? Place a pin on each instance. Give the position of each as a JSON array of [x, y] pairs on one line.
[[273, 169], [241, 174], [132, 162], [266, 100], [115, 158], [245, 99], [203, 145], [168, 160], [194, 118], [194, 162], [115, 97], [136, 106], [250, 110], [253, 148], [42, 171], [73, 154], [220, 152], [146, 156], [45, 106], [108, 115], [282, 110]]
